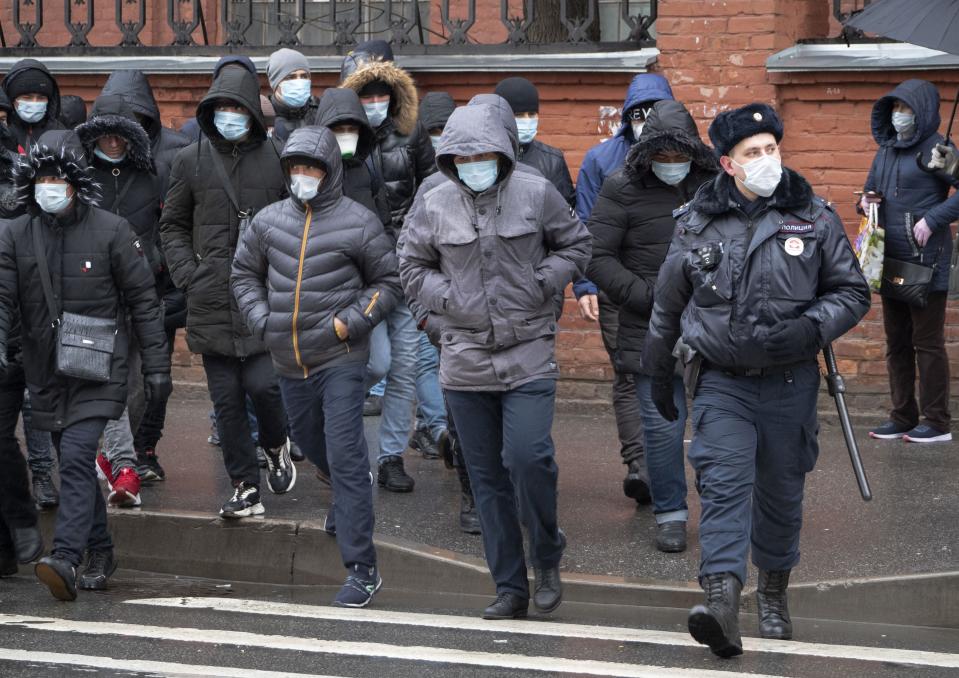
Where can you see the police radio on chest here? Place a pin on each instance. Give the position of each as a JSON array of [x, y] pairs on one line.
[[709, 256]]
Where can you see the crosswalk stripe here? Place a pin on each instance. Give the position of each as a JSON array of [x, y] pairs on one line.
[[144, 666], [360, 649], [544, 628]]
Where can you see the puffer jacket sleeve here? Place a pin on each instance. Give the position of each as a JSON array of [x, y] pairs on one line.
[[248, 278], [424, 158], [134, 279], [673, 291], [9, 290], [843, 296], [945, 212], [563, 181], [587, 186], [376, 259], [608, 224], [176, 221], [568, 241], [419, 261]]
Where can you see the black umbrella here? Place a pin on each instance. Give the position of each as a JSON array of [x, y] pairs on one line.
[[927, 23]]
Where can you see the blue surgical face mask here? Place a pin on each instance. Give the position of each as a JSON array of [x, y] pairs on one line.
[[479, 175], [52, 198], [435, 140], [31, 111], [376, 112], [103, 156], [903, 121], [304, 186], [295, 93], [671, 173], [233, 126], [527, 129]]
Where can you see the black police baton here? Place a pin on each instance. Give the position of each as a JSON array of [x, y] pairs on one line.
[[837, 389]]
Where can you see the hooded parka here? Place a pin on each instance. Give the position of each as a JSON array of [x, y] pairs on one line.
[[729, 277], [905, 188], [98, 268], [165, 142], [27, 133], [287, 119], [489, 264], [402, 152], [200, 227], [360, 183], [300, 265], [632, 223]]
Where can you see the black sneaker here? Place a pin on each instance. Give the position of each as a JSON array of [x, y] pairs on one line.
[[636, 483], [444, 445], [281, 475], [392, 475], [100, 566], [296, 454], [45, 492], [889, 431], [59, 576], [329, 523], [8, 565], [359, 588], [245, 502], [148, 466], [924, 433], [373, 406], [261, 457], [423, 442]]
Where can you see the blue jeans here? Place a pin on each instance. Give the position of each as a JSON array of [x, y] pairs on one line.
[[39, 445], [509, 453], [326, 417], [378, 365], [397, 418], [431, 408], [663, 441]]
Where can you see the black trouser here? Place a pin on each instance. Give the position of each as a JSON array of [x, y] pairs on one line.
[[82, 516], [16, 504], [629, 419], [230, 380], [916, 337], [150, 430]]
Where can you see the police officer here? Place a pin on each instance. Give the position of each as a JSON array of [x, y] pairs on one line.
[[759, 277]]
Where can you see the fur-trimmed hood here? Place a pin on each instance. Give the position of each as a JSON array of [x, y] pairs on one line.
[[404, 102], [669, 127], [111, 114], [794, 194], [61, 151]]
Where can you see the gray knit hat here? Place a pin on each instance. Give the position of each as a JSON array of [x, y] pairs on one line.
[[282, 63]]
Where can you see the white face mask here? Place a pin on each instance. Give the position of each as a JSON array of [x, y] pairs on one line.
[[304, 187], [376, 112], [903, 121], [671, 173], [97, 151], [52, 198], [762, 174], [637, 129], [348, 142], [435, 140], [526, 128]]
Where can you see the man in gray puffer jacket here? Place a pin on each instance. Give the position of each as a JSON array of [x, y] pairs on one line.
[[486, 253], [313, 275]]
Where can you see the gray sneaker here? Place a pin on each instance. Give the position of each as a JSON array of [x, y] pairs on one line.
[[281, 473]]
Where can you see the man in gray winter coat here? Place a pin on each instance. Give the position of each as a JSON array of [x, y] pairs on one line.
[[312, 276], [486, 253]]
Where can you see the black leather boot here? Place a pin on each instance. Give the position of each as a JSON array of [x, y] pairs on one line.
[[671, 536], [29, 543], [507, 606], [717, 622], [774, 621], [45, 492]]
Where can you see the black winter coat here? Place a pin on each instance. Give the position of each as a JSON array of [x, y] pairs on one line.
[[98, 269], [360, 181], [300, 265], [288, 119], [199, 227], [551, 163], [27, 133], [632, 223]]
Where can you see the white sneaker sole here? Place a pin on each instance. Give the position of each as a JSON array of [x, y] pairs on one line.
[[255, 510], [886, 436], [289, 487], [122, 499], [379, 585], [944, 438]]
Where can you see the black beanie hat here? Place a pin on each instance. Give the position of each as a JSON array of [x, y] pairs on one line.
[[520, 93], [731, 127], [30, 81]]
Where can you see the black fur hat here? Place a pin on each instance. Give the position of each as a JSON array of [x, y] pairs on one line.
[[58, 153], [731, 127]]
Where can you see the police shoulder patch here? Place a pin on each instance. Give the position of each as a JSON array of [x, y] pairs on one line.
[[681, 210]]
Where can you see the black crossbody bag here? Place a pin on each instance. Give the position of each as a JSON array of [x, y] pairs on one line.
[[85, 344], [907, 282]]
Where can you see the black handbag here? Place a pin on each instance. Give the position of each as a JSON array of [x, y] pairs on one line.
[[85, 344], [907, 282]]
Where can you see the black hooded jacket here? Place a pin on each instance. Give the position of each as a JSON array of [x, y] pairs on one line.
[[360, 182], [129, 188], [551, 163], [27, 133], [165, 142], [632, 222], [97, 268], [288, 119], [435, 109], [200, 227]]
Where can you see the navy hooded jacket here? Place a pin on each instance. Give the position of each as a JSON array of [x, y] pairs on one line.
[[905, 187], [608, 156]]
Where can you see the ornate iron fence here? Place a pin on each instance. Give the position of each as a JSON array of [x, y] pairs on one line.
[[333, 26]]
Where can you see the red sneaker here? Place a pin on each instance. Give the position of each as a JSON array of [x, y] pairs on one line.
[[126, 489], [105, 470]]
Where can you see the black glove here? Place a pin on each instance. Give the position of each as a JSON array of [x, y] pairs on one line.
[[664, 398], [791, 339], [158, 387]]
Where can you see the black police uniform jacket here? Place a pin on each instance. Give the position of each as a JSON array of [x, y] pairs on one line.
[[98, 268], [727, 278]]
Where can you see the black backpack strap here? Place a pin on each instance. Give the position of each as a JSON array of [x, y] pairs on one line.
[[45, 280], [225, 180]]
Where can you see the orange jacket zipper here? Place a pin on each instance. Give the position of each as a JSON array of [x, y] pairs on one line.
[[296, 298]]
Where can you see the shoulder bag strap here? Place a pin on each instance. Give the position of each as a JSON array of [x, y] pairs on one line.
[[45, 280], [225, 180]]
